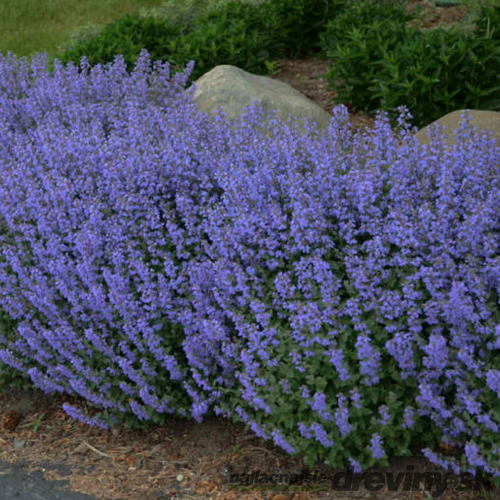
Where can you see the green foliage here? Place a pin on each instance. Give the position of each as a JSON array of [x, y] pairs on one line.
[[243, 34], [11, 377], [301, 22], [233, 33], [127, 36], [360, 15], [356, 52], [391, 390], [382, 64], [239, 34], [488, 24]]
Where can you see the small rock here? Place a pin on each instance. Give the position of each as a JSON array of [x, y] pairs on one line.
[[180, 478], [19, 443]]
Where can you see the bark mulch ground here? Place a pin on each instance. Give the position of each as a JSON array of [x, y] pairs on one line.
[[181, 459]]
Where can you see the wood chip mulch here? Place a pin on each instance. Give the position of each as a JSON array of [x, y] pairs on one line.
[[180, 459]]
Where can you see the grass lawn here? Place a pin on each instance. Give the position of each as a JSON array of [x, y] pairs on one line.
[[31, 26]]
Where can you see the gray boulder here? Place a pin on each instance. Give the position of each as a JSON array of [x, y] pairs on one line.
[[233, 89], [483, 120]]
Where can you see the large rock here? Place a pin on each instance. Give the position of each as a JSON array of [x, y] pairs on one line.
[[483, 120], [233, 89]]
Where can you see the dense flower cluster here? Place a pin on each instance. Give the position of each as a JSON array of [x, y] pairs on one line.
[[338, 294], [100, 193], [354, 263]]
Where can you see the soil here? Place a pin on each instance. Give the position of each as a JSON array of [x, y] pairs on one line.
[[183, 459]]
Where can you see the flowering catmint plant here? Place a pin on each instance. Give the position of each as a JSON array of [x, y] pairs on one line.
[[337, 293], [100, 191], [353, 285]]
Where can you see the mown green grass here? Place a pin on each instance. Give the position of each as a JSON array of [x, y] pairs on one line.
[[31, 26], [28, 27]]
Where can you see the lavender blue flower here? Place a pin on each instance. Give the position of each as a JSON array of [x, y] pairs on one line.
[[342, 416], [376, 447]]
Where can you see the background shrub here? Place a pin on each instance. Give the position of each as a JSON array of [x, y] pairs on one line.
[[127, 36], [383, 65], [235, 33], [247, 35], [357, 14], [488, 23], [357, 56], [301, 22]]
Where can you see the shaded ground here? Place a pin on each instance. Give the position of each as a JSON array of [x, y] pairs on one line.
[[181, 459], [17, 484]]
